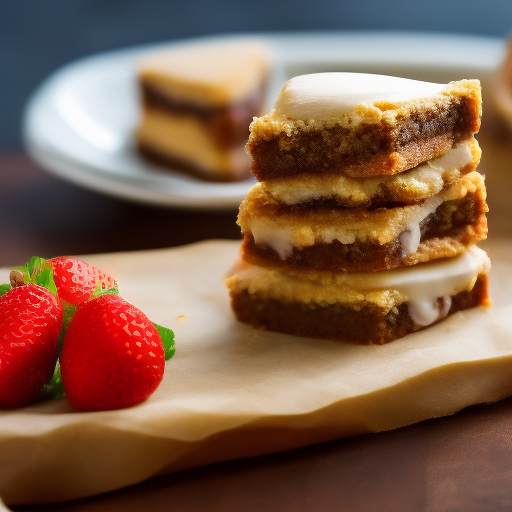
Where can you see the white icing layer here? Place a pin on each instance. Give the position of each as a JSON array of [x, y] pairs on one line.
[[456, 158], [427, 311], [421, 286], [324, 95], [411, 236], [410, 239]]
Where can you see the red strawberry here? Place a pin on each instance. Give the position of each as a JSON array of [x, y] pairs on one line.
[[30, 321], [112, 355], [78, 281]]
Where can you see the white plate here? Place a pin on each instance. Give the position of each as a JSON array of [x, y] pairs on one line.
[[79, 123]]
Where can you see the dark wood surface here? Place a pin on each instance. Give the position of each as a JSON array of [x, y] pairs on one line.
[[462, 462], [42, 215]]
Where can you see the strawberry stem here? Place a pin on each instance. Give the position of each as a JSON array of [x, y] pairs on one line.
[[16, 278]]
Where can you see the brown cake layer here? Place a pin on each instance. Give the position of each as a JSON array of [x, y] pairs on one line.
[[228, 124], [409, 187], [444, 233], [368, 324], [398, 142]]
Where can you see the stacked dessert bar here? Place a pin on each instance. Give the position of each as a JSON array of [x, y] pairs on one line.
[[364, 222]]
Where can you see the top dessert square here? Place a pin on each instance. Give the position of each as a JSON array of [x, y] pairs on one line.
[[361, 125]]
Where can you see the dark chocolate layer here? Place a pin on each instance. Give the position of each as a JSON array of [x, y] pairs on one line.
[[450, 219], [229, 124], [370, 324]]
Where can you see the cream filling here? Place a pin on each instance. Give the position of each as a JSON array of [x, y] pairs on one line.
[[187, 139], [420, 285], [283, 238], [286, 232], [427, 311], [419, 183], [324, 95]]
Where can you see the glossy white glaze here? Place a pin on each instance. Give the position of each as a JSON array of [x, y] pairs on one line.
[[324, 95], [426, 288]]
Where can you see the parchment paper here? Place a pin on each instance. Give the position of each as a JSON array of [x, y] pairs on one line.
[[232, 391]]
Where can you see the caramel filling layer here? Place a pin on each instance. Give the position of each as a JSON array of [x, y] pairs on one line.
[[227, 124]]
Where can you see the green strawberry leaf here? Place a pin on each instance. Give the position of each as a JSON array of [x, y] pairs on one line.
[[37, 272], [167, 336], [32, 268], [45, 278], [54, 390], [99, 290], [4, 288]]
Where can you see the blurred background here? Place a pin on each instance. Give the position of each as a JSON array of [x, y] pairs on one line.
[[38, 36], [45, 215]]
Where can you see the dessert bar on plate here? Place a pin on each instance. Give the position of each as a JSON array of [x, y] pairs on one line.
[[198, 101]]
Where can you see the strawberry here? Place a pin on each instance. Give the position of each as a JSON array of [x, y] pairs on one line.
[[73, 280], [30, 321], [112, 356], [78, 281]]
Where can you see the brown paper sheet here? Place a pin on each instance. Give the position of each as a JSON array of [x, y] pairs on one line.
[[232, 391]]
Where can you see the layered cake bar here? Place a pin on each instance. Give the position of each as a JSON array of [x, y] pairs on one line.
[[328, 237], [198, 101], [360, 308], [364, 224]]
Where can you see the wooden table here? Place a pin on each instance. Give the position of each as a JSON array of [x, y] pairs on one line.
[[462, 462]]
